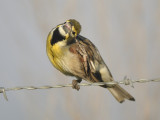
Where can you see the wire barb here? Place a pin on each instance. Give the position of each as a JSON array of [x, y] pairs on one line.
[[2, 90], [125, 81]]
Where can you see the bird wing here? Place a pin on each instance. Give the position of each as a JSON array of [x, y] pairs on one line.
[[91, 60]]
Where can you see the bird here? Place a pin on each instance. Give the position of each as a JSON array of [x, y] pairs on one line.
[[75, 55]]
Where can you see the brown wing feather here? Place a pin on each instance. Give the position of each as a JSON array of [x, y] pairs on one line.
[[90, 58], [92, 63]]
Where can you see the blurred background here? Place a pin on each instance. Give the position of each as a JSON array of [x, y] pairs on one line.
[[127, 34]]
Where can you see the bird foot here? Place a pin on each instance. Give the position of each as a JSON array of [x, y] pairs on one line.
[[75, 85]]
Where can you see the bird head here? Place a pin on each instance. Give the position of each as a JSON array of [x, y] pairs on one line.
[[69, 29], [66, 31]]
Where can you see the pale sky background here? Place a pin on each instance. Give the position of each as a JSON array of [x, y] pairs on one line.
[[127, 34]]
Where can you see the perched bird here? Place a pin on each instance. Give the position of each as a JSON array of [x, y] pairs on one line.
[[75, 55]]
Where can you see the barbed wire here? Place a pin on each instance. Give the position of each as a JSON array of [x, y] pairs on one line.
[[125, 81]]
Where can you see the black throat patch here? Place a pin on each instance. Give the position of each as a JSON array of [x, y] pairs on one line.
[[56, 37]]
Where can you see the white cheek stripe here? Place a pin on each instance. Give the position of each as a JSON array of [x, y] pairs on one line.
[[62, 32]]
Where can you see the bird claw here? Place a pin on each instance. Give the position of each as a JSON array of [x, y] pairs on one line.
[[75, 85]]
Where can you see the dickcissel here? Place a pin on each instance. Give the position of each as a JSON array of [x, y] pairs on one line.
[[75, 55]]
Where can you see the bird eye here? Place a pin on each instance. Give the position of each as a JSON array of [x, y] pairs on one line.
[[71, 23], [73, 33]]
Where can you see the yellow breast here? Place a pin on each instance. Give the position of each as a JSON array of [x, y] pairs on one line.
[[56, 54]]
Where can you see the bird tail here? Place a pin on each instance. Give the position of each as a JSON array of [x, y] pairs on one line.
[[120, 94]]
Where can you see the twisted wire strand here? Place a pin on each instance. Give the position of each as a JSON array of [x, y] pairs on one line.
[[125, 81]]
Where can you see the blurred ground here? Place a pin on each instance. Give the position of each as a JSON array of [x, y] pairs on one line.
[[127, 34]]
